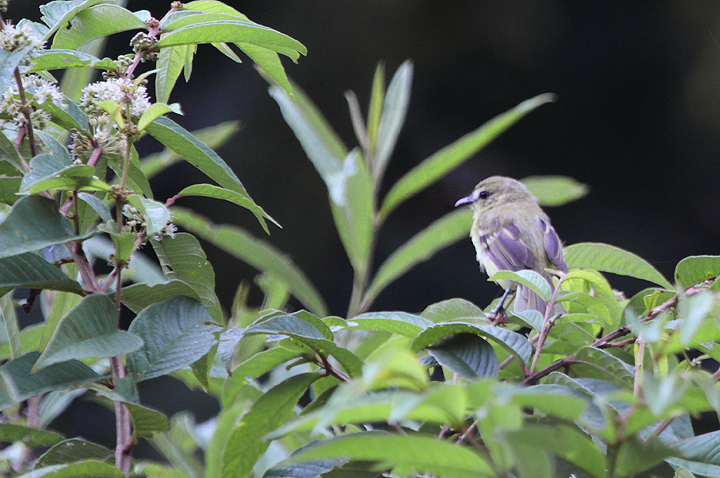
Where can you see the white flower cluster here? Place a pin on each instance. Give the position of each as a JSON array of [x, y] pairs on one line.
[[120, 91], [39, 90], [13, 38]]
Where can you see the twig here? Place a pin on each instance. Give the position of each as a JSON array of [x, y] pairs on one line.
[[26, 113]]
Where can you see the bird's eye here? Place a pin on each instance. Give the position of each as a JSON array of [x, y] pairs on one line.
[[483, 195]]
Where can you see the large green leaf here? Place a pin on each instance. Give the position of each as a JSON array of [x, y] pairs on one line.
[[18, 383], [175, 337], [467, 355], [89, 330], [57, 59], [422, 453], [445, 231], [232, 31], [80, 469], [9, 326], [31, 271], [147, 421], [10, 154], [31, 437], [183, 259], [33, 223], [528, 278], [96, 22], [169, 64], [138, 296], [452, 309], [698, 454], [244, 445], [182, 142], [607, 258], [555, 190], [452, 156], [400, 323], [695, 269], [71, 450], [210, 191], [57, 14], [513, 342], [607, 365], [259, 254]]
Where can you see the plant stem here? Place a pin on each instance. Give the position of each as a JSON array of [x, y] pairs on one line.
[[26, 113]]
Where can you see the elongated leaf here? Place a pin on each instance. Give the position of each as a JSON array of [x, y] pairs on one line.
[[259, 254], [445, 231], [609, 365], [169, 64], [58, 59], [513, 342], [244, 447], [175, 337], [138, 296], [155, 111], [57, 14], [400, 323], [31, 437], [80, 469], [70, 116], [698, 454], [452, 156], [71, 450], [147, 421], [33, 223], [9, 153], [394, 111], [467, 355], [96, 22], [9, 327], [290, 325], [252, 368], [607, 258], [89, 330], [695, 269], [424, 454], [210, 191], [183, 259], [17, 383], [182, 142], [233, 31], [528, 278], [31, 271], [452, 309], [555, 190], [269, 61]]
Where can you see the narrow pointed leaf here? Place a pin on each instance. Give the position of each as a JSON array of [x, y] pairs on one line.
[[58, 59], [57, 14], [9, 153], [96, 22], [170, 64], [607, 258], [269, 61], [155, 111], [445, 231], [394, 111], [89, 330], [175, 337], [259, 254], [555, 190], [452, 156], [400, 323]]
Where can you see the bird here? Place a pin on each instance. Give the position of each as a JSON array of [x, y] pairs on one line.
[[511, 232]]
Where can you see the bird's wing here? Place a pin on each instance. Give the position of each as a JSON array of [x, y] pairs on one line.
[[552, 245], [506, 249]]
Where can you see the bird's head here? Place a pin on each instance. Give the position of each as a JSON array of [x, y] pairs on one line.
[[495, 191]]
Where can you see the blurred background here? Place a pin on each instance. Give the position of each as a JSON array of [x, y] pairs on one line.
[[637, 119]]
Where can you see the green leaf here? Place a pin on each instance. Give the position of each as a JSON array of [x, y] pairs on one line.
[[233, 31], [89, 330], [32, 437], [147, 421], [400, 323], [392, 119], [180, 457], [445, 231], [210, 191], [244, 447], [175, 337], [269, 61], [57, 59], [33, 223], [636, 456], [9, 62], [225, 425], [96, 22], [182, 142], [294, 325], [254, 367], [452, 309], [557, 400], [57, 14], [354, 216], [566, 442], [71, 450], [155, 111], [9, 327], [18, 383], [423, 454], [9, 153], [695, 269], [467, 355], [528, 278], [607, 258], [80, 469], [70, 117], [608, 365], [183, 259], [30, 340], [31, 271], [169, 64], [555, 190], [698, 454], [452, 156], [513, 342], [138, 296], [259, 254], [97, 205], [156, 215]]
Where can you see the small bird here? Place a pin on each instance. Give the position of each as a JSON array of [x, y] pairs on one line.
[[510, 232]]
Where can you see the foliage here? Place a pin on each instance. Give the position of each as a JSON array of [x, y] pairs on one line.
[[606, 388]]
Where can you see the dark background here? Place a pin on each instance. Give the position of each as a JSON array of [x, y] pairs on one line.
[[637, 119]]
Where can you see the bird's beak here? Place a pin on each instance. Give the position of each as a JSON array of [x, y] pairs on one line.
[[465, 200]]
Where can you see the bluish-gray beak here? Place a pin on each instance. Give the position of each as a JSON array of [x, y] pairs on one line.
[[465, 200]]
